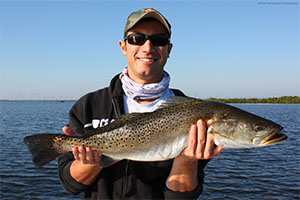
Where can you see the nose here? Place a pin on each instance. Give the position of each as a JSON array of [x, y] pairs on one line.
[[147, 46]]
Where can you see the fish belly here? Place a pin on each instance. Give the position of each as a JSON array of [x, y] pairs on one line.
[[163, 151]]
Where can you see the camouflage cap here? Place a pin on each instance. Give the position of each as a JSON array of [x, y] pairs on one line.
[[137, 16]]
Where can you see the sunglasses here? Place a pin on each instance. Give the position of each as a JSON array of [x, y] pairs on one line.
[[140, 39]]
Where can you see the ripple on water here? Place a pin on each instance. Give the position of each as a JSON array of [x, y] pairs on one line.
[[265, 173]]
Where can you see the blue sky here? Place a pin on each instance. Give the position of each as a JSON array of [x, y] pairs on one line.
[[64, 49]]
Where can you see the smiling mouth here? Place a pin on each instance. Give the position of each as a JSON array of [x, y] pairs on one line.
[[147, 59]]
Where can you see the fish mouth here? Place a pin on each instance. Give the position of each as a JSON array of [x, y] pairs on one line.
[[274, 137]]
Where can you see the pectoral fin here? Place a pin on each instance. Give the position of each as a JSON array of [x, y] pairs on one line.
[[106, 161]]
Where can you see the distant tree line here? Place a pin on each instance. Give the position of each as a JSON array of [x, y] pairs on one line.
[[281, 100]]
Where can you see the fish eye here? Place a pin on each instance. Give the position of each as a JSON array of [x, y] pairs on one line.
[[258, 128]]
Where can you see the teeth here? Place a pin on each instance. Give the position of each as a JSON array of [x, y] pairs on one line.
[[147, 59]]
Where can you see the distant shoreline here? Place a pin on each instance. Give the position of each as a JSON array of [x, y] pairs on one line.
[[270, 100], [29, 100]]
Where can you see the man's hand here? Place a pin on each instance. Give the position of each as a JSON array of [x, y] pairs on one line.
[[85, 168], [86, 155], [183, 176], [200, 144]]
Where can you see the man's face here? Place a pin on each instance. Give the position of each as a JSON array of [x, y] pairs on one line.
[[146, 62]]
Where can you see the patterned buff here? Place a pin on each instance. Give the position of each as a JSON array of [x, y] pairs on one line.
[[148, 91]]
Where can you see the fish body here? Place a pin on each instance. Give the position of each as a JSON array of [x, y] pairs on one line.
[[162, 134]]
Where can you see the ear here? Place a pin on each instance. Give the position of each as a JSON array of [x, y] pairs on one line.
[[169, 49], [122, 45]]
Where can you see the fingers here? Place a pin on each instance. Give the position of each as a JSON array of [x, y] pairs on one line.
[[209, 122], [96, 155], [192, 142], [211, 149], [200, 144], [86, 155], [201, 138], [68, 131]]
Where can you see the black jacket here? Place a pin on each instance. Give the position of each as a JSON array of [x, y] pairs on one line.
[[125, 179]]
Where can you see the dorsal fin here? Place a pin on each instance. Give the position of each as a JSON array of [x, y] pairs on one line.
[[177, 100]]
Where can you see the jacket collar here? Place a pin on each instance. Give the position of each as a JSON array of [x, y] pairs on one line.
[[115, 87], [116, 92]]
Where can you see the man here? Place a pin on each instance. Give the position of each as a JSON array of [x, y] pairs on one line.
[[141, 87]]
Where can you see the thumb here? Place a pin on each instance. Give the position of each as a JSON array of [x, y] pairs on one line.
[[68, 131]]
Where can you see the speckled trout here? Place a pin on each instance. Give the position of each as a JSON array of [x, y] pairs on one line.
[[162, 134]]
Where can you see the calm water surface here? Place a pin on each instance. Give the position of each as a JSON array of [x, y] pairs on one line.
[[264, 173]]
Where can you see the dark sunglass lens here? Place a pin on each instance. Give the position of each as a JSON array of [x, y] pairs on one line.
[[136, 39], [159, 40], [140, 39]]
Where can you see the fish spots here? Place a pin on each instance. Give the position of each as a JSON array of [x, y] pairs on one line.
[[141, 140], [133, 132]]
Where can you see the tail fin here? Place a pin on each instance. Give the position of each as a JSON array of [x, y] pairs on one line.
[[42, 148]]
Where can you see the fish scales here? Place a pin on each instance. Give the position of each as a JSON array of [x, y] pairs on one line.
[[162, 134], [143, 131]]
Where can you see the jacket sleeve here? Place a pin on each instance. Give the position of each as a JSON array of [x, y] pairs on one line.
[[75, 123], [65, 161], [66, 180], [169, 194]]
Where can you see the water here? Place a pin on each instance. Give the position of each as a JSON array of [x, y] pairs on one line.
[[19, 178], [264, 173]]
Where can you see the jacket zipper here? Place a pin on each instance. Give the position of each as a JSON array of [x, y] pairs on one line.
[[125, 179]]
